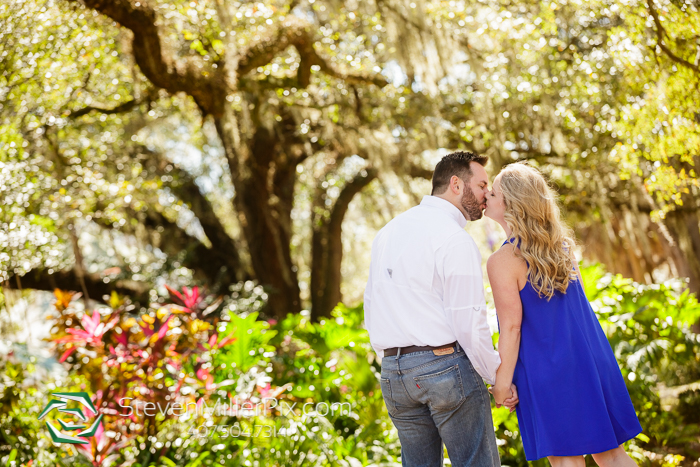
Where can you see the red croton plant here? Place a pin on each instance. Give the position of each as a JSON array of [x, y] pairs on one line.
[[161, 356]]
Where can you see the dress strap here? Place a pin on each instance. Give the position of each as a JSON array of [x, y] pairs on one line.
[[510, 240]]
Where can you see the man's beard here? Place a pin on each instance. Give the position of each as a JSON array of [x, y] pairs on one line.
[[471, 204]]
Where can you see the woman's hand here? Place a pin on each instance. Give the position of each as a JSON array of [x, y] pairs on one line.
[[509, 397], [512, 401], [500, 393]]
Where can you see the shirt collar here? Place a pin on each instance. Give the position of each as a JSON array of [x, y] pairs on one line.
[[444, 205]]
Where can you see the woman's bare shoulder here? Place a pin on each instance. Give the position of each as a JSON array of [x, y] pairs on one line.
[[506, 259]]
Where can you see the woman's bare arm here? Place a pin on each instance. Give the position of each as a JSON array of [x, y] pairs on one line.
[[504, 271]]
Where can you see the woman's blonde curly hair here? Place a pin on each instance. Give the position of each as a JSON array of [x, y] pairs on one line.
[[545, 241]]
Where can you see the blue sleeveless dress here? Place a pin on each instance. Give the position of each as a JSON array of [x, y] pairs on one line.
[[573, 398]]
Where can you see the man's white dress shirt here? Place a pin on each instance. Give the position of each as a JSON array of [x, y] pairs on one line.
[[426, 286]]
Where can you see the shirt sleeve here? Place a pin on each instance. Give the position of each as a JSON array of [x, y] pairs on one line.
[[465, 304], [367, 309]]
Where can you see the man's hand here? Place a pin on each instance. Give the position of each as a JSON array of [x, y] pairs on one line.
[[507, 397], [500, 393]]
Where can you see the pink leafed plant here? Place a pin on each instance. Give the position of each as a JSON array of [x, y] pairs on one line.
[[92, 333]]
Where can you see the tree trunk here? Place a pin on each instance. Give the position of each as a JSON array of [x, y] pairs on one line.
[[263, 176], [684, 227], [219, 265], [262, 161], [327, 249]]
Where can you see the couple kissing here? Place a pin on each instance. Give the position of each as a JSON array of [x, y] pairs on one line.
[[425, 312]]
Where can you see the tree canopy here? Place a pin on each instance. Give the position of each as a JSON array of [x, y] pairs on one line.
[[144, 141]]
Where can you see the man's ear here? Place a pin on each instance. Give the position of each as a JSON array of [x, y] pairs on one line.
[[454, 184]]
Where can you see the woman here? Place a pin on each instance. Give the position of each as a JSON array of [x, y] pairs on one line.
[[573, 399]]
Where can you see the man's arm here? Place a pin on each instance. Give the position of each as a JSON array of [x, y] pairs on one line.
[[368, 297], [367, 309], [465, 305]]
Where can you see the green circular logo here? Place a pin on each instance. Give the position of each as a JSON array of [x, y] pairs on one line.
[[61, 404]]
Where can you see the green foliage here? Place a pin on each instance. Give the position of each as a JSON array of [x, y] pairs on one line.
[[649, 329], [579, 88], [90, 150], [659, 126], [302, 392], [305, 393], [23, 439], [19, 429], [61, 169], [332, 362], [250, 342]]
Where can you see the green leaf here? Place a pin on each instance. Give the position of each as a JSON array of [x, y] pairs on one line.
[[199, 460], [250, 335], [13, 455]]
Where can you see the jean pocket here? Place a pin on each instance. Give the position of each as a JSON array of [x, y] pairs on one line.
[[443, 390], [386, 394]]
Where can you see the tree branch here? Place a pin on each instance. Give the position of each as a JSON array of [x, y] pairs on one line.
[[298, 33], [349, 191], [416, 171], [185, 187], [269, 82], [121, 108], [208, 263], [660, 33], [327, 249], [192, 75], [150, 96], [205, 83], [94, 283]]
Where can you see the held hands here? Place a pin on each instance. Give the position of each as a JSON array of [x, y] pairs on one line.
[[505, 396]]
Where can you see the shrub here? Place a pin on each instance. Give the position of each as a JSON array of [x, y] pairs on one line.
[[296, 392]]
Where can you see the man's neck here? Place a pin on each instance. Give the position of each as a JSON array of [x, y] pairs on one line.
[[456, 204]]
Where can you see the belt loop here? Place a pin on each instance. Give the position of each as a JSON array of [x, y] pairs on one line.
[[457, 346], [398, 363]]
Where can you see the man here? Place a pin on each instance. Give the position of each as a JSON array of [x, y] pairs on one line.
[[426, 315]]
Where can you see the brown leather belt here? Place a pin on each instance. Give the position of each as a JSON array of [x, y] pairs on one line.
[[415, 348]]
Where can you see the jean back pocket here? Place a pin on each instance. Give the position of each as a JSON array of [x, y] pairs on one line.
[[442, 390]]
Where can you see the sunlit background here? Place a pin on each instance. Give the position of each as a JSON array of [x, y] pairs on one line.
[[253, 150]]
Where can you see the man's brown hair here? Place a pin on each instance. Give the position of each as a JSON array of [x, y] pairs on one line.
[[456, 163]]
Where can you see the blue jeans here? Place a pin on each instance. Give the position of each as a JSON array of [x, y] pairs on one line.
[[439, 399]]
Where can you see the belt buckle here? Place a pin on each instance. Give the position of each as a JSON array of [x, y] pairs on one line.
[[445, 351]]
